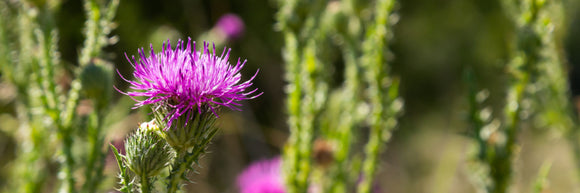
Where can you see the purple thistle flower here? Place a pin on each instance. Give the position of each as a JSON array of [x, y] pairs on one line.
[[231, 25], [262, 177], [183, 80]]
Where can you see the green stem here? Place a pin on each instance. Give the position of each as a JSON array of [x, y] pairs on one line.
[[145, 184], [347, 120], [31, 159], [91, 47], [68, 168], [200, 132], [177, 172], [183, 162], [300, 68], [68, 113], [291, 156], [64, 132], [382, 119], [93, 171], [370, 162], [501, 161]]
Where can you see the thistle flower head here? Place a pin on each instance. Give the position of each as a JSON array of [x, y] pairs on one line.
[[262, 177], [183, 81]]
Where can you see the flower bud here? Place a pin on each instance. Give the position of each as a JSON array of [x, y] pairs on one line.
[[147, 153], [97, 81]]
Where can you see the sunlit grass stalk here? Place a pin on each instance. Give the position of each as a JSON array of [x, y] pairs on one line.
[[483, 126], [291, 158], [30, 107], [300, 65], [47, 59], [501, 166], [346, 126], [37, 58], [97, 28], [46, 65], [383, 98], [292, 55], [478, 116], [67, 168], [351, 98], [32, 103], [556, 110], [309, 113], [541, 181], [523, 71], [65, 135], [5, 53], [95, 162]]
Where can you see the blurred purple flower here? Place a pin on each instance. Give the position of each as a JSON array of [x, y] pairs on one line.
[[231, 26], [262, 177], [184, 81]]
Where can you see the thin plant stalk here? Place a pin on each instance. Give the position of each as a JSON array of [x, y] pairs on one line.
[[301, 65], [383, 99]]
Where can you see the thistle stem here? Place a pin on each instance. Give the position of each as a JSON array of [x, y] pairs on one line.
[[145, 184], [179, 168]]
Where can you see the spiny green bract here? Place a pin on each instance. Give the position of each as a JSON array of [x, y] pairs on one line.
[[147, 153], [187, 131]]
